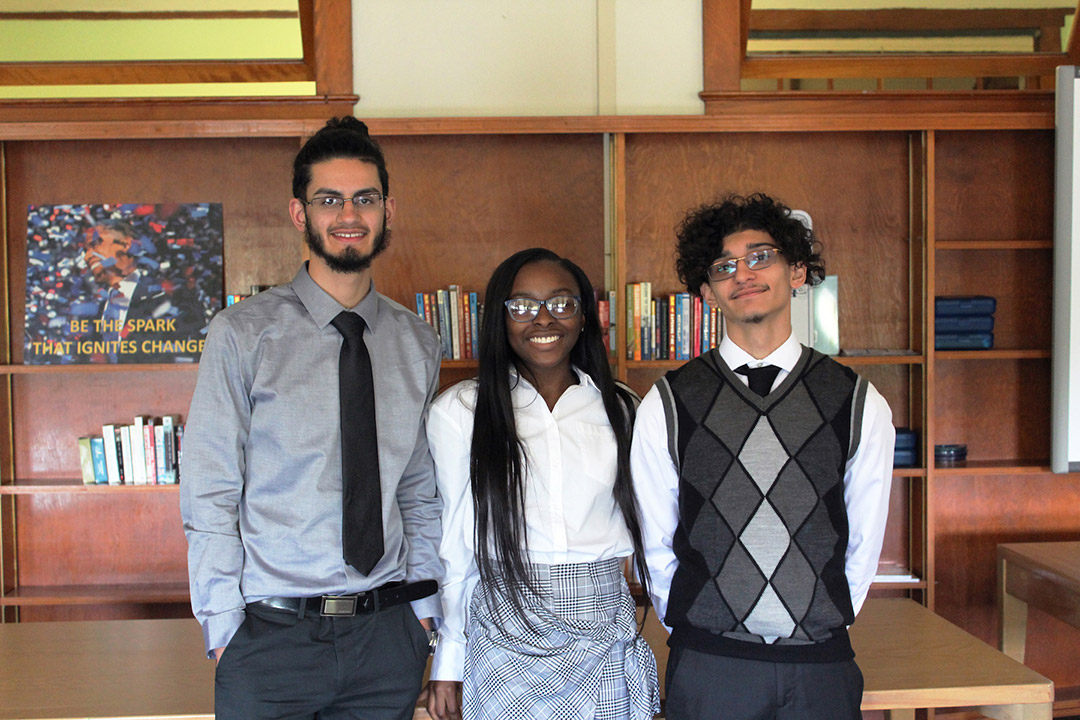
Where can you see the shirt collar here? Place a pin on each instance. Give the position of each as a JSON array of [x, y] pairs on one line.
[[323, 308], [584, 379], [128, 284], [783, 357]]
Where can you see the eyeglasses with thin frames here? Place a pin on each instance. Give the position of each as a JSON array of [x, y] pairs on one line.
[[757, 260], [561, 307], [334, 204]]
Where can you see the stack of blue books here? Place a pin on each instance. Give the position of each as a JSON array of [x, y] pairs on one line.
[[905, 453], [964, 322]]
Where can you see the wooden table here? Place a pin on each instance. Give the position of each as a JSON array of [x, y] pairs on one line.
[[105, 669], [1044, 575], [912, 658]]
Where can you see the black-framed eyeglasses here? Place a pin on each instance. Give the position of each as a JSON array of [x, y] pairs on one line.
[[333, 204], [757, 260], [561, 307]]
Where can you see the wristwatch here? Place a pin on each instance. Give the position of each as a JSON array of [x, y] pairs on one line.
[[432, 641]]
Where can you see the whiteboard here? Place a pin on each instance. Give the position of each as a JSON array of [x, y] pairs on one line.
[[1065, 363]]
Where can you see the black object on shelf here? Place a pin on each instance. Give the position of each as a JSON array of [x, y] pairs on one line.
[[950, 453]]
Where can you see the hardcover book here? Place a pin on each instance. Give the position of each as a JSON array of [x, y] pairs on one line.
[[121, 283]]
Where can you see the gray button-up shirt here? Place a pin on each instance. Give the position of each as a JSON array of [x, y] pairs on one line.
[[261, 491]]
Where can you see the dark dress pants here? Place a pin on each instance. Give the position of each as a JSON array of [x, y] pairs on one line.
[[703, 686], [278, 666]]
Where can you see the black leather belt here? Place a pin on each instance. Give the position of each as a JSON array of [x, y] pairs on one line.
[[350, 605]]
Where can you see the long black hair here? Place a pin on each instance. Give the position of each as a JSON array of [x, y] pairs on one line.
[[496, 469]]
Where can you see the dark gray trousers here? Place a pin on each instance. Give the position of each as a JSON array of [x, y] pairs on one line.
[[711, 686], [279, 667]]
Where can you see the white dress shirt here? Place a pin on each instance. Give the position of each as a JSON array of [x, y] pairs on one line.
[[867, 480], [570, 510]]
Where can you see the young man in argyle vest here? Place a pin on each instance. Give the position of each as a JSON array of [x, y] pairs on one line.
[[763, 471]]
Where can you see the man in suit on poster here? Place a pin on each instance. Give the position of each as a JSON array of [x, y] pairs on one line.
[[763, 470], [136, 297], [309, 497]]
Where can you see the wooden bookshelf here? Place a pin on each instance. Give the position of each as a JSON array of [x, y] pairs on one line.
[[908, 209]]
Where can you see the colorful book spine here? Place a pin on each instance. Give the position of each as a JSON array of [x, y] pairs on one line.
[[125, 449], [97, 451], [149, 452], [138, 452], [612, 320], [112, 455], [159, 451], [454, 307], [86, 461], [466, 325], [169, 442]]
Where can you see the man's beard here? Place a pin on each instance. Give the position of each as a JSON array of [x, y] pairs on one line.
[[350, 260]]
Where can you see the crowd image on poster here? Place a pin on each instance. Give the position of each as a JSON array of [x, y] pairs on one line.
[[121, 283]]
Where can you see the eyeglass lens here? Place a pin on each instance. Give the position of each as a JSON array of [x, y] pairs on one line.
[[561, 307], [757, 260]]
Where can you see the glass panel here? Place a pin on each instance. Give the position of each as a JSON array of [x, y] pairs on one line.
[[270, 31], [915, 26]]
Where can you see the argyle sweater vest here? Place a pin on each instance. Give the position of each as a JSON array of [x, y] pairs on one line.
[[763, 528]]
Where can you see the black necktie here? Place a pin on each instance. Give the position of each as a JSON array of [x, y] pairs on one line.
[[761, 378], [361, 500]]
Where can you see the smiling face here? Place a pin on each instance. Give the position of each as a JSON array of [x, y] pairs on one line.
[[343, 240], [107, 255], [543, 344], [759, 298]]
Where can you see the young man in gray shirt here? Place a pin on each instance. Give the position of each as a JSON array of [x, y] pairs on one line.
[[308, 497]]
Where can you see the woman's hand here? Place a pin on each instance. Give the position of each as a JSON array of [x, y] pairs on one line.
[[443, 701]]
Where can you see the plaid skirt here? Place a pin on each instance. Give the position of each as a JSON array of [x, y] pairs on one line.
[[579, 656]]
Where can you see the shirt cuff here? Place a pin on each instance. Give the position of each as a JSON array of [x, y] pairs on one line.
[[219, 629], [449, 661], [428, 607]]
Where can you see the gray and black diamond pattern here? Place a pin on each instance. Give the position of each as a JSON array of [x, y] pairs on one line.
[[764, 516]]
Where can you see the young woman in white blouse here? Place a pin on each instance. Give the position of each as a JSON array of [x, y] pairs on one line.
[[532, 462]]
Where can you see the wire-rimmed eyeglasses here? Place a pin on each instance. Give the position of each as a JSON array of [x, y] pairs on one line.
[[334, 204], [757, 260], [561, 307]]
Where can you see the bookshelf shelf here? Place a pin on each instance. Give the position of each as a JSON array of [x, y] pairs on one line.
[[909, 472], [995, 245], [891, 359], [1002, 354], [993, 467], [97, 594], [75, 485], [94, 369], [883, 359]]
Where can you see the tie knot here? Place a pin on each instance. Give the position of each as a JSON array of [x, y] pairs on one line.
[[350, 325], [760, 378]]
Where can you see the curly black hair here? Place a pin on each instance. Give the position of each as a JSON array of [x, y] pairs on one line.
[[702, 232]]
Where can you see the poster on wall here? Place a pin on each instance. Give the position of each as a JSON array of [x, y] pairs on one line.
[[121, 283]]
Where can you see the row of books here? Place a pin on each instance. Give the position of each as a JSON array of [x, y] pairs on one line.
[[455, 315], [678, 326], [147, 452], [234, 298]]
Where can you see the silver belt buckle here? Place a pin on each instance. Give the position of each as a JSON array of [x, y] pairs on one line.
[[338, 605]]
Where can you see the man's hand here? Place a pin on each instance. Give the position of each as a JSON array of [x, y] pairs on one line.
[[443, 701], [217, 654], [427, 623]]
